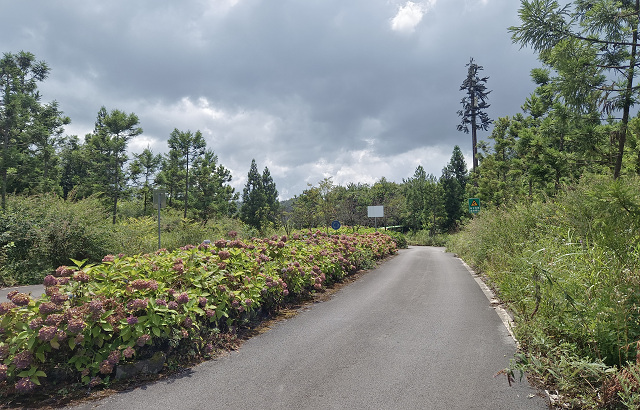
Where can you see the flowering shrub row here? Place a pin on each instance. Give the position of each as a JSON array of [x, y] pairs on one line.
[[93, 318]]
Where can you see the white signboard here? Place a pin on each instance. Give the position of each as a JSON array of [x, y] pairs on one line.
[[375, 211]]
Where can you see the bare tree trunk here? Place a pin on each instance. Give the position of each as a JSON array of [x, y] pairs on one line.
[[622, 138]]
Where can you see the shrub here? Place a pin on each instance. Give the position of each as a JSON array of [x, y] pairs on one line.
[[94, 317]]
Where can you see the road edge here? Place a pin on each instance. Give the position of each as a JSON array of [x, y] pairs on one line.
[[495, 303]]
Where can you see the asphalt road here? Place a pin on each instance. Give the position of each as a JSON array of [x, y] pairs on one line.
[[415, 333]]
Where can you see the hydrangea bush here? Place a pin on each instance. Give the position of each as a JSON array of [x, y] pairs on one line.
[[93, 318]]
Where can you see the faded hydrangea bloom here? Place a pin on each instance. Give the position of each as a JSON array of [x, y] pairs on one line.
[[59, 298], [76, 326], [106, 367], [96, 381], [46, 308], [21, 299], [173, 305], [96, 307], [36, 323], [23, 360], [47, 333], [129, 352], [138, 304], [3, 372], [182, 298], [142, 340], [81, 277], [5, 307], [54, 319], [25, 385], [50, 280], [114, 357]]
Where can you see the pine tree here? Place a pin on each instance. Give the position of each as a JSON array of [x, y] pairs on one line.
[[259, 199], [454, 180], [593, 48], [188, 147], [474, 105]]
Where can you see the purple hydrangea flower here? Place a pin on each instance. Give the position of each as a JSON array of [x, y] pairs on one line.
[[25, 385], [23, 360], [129, 352], [182, 298], [47, 333], [106, 367], [46, 308], [36, 323], [54, 319], [142, 340], [132, 320], [50, 280], [81, 277], [76, 326]]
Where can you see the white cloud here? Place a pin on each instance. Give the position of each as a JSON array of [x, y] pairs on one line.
[[410, 15]]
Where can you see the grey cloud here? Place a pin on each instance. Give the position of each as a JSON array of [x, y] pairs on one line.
[[297, 81]]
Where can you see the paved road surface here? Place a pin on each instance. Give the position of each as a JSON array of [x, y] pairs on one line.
[[34, 290], [416, 333]]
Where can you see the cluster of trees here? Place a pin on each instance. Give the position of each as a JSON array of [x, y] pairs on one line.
[[421, 202], [36, 158], [579, 118]]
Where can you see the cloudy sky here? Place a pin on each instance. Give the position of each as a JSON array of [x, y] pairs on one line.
[[355, 90]]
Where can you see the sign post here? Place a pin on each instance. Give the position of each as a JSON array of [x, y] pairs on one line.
[[375, 212], [159, 201], [474, 205], [335, 225]]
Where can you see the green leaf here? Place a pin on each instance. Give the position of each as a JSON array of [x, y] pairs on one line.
[[156, 331], [72, 343]]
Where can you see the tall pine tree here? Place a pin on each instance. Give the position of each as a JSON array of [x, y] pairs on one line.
[[474, 105]]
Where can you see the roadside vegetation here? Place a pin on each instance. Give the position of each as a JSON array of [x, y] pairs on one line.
[[569, 271], [96, 320]]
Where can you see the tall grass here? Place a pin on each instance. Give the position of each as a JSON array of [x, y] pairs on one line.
[[569, 270]]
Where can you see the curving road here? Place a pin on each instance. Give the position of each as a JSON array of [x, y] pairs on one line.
[[415, 333]]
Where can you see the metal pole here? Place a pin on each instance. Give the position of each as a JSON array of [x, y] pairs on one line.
[[159, 243]]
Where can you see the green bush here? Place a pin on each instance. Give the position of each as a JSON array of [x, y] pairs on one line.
[[40, 233]]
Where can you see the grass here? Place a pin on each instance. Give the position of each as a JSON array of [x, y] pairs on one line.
[[569, 271]]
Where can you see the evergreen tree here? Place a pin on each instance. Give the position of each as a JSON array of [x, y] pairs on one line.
[[187, 147], [271, 196], [453, 181], [107, 147], [213, 196], [26, 126], [259, 199], [594, 49], [474, 105], [423, 198], [145, 165]]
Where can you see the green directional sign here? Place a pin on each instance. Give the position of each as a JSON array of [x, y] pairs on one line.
[[474, 205]]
